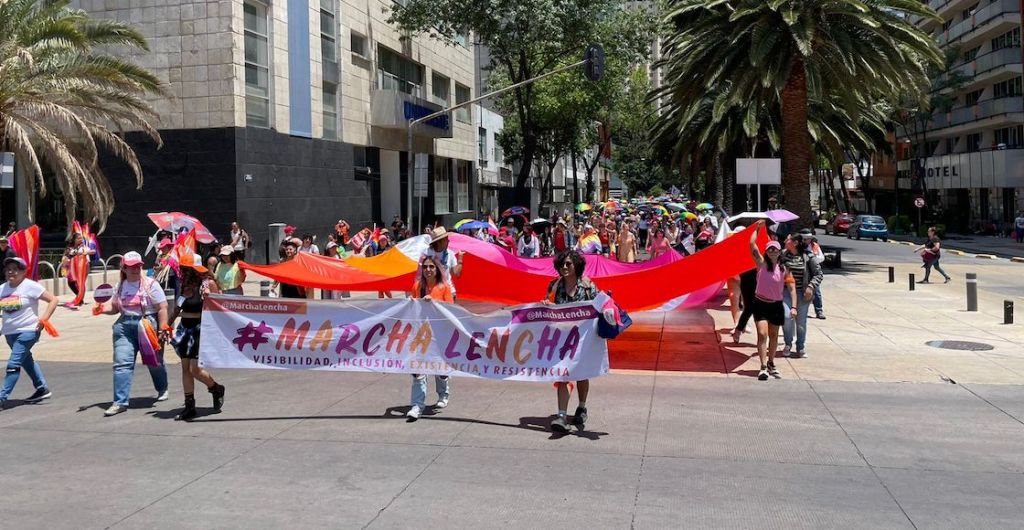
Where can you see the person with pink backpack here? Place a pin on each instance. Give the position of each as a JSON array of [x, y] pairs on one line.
[[140, 328]]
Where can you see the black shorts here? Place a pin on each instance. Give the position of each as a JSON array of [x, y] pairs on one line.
[[186, 340], [773, 312]]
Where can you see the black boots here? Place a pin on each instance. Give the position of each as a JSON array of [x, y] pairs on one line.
[[189, 411], [217, 391]]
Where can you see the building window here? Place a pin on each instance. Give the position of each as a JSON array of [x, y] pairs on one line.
[[442, 185], [462, 95], [481, 145], [1010, 137], [947, 24], [972, 98], [973, 142], [971, 54], [395, 72], [951, 144], [969, 12], [330, 97], [1010, 39], [257, 65], [462, 186], [358, 44], [440, 89], [461, 37], [328, 31], [1008, 88]]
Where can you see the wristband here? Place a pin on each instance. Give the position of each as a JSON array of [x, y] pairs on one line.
[[166, 328]]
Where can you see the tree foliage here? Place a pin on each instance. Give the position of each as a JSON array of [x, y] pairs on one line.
[[752, 62], [528, 38], [63, 98]]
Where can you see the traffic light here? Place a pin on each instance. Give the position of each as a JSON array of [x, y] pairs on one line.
[[593, 68]]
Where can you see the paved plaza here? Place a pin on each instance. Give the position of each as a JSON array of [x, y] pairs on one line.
[[873, 430]]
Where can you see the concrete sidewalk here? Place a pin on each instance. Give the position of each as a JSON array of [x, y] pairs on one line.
[[1003, 247]]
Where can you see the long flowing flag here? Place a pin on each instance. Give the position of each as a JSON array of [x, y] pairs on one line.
[[26, 244]]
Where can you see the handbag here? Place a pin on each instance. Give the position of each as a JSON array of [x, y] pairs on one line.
[[605, 330]]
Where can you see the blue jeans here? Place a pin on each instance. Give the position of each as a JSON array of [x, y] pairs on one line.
[[21, 358], [126, 347], [800, 323], [419, 388], [933, 264], [817, 300]]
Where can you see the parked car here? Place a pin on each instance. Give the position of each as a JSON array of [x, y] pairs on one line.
[[871, 226], [839, 225]]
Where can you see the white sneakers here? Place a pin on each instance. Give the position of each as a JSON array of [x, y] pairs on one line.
[[163, 396], [441, 403], [114, 410], [414, 413]]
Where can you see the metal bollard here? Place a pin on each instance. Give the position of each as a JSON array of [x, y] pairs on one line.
[[911, 281], [892, 274], [972, 291], [264, 288], [839, 259], [1007, 311]]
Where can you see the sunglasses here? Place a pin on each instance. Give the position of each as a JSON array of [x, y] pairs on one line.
[[568, 265]]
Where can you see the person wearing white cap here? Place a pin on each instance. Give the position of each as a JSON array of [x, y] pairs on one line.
[[229, 275], [196, 285], [135, 298], [19, 303]]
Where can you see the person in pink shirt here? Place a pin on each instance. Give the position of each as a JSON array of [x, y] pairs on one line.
[[773, 282]]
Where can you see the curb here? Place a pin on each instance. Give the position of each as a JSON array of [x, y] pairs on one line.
[[1017, 260], [985, 256], [956, 252]]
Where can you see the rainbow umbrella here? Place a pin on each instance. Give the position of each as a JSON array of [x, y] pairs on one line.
[[661, 210], [515, 210], [611, 205], [583, 207], [705, 206], [689, 216]]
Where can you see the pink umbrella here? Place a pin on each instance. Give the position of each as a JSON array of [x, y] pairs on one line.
[[176, 221], [781, 216]]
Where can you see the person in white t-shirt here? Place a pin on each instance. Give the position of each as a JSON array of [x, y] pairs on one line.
[[19, 304], [135, 298], [451, 262]]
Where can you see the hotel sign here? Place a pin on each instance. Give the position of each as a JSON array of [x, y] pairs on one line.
[[392, 109]]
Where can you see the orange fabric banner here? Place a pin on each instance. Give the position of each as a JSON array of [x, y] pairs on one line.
[[311, 270]]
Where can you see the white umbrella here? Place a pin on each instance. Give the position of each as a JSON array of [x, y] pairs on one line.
[[750, 216]]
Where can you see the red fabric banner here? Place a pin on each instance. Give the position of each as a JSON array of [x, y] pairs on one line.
[[311, 270], [25, 244], [636, 291]]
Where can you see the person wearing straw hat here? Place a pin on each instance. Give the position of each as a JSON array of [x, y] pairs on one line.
[[136, 297], [196, 285], [22, 324], [451, 262]]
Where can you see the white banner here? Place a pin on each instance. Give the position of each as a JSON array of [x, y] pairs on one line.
[[524, 343]]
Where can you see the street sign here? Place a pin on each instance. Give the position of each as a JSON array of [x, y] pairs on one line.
[[919, 202], [593, 69], [420, 171], [103, 293], [7, 171]]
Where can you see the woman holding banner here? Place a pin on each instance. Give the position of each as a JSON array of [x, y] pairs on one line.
[[75, 263], [141, 304], [773, 282], [570, 287], [196, 285], [430, 285]]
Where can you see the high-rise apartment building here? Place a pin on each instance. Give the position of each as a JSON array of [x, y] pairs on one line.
[[293, 111], [969, 162]]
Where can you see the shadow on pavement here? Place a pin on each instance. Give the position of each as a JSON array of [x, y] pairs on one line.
[[133, 403]]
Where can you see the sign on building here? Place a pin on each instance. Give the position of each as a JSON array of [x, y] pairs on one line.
[[7, 171]]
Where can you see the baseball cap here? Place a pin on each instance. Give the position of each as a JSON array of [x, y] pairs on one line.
[[21, 263], [195, 263], [226, 250], [131, 258], [773, 244]]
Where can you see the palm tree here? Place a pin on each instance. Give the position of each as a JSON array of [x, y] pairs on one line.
[[63, 99], [787, 52]]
